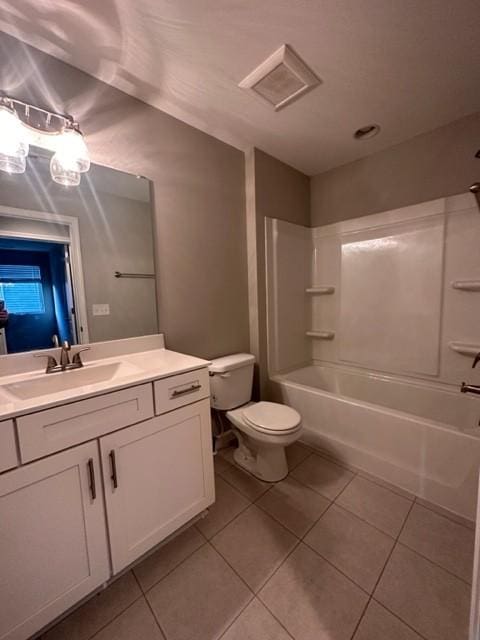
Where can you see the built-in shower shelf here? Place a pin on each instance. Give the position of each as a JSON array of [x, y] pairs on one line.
[[321, 291], [466, 285], [321, 335], [465, 348]]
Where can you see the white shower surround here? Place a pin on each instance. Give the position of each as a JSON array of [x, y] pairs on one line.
[[399, 417]]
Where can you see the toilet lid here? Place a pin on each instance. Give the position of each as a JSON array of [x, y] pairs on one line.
[[271, 416]]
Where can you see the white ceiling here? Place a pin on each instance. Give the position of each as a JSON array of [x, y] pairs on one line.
[[408, 65]]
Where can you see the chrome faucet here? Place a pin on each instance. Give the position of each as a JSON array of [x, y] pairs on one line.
[[472, 388], [64, 357], [65, 363]]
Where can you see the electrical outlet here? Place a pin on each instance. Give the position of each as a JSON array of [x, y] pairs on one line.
[[101, 309]]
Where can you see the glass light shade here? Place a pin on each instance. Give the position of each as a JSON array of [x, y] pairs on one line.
[[13, 164], [72, 152], [68, 177], [13, 142]]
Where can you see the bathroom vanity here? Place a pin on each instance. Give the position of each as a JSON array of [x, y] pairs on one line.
[[97, 467]]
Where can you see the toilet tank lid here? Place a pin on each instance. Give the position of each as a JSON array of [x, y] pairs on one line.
[[231, 362]]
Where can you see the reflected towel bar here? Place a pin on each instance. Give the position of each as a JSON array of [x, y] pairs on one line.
[[466, 285], [322, 291], [119, 274], [466, 349], [322, 335]]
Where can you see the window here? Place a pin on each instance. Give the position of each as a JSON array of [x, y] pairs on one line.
[[21, 288]]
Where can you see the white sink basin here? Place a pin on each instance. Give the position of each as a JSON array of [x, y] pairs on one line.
[[55, 382]]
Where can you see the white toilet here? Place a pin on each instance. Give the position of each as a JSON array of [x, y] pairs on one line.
[[263, 429]]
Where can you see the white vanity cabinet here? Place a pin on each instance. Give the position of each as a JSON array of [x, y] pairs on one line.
[[102, 480], [157, 477], [53, 543]]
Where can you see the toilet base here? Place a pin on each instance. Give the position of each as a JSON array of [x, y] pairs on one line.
[[265, 462]]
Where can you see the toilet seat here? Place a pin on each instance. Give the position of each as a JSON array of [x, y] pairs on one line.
[[271, 417]]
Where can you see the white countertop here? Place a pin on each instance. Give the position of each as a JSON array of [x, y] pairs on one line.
[[136, 368]]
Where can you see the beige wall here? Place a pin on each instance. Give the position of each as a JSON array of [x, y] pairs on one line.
[[435, 164], [199, 196], [275, 190]]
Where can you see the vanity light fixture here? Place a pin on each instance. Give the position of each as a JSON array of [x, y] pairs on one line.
[[13, 141], [20, 121]]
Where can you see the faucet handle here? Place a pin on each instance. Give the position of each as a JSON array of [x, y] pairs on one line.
[[476, 360], [66, 345], [76, 360], [51, 362]]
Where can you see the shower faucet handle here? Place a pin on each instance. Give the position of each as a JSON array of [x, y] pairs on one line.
[[476, 360]]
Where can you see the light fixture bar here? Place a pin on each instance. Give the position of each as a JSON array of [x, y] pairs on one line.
[[27, 108], [70, 158]]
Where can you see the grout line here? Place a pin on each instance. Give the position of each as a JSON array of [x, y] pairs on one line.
[[345, 575], [173, 568], [249, 475], [366, 475], [297, 541], [271, 613], [236, 617], [354, 475], [295, 546], [114, 617], [230, 521], [157, 621], [233, 569], [454, 575], [388, 486], [332, 502], [395, 615], [383, 570], [352, 513], [451, 518]]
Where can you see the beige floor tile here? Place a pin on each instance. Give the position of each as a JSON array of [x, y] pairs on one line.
[[256, 623], [254, 544], [251, 487], [294, 504], [228, 504], [375, 504], [432, 601], [220, 463], [296, 453], [312, 600], [352, 545], [380, 624], [98, 611], [322, 476], [166, 558], [136, 623], [440, 540], [200, 598]]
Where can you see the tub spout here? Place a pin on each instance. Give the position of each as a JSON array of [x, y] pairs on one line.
[[470, 388]]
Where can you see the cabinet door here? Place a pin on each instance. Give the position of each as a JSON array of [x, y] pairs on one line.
[[158, 475], [53, 547]]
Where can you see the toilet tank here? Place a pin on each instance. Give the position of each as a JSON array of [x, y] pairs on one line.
[[231, 380]]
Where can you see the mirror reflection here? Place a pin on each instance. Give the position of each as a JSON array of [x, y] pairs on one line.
[[76, 263]]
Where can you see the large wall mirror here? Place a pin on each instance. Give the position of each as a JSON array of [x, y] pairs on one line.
[[76, 263]]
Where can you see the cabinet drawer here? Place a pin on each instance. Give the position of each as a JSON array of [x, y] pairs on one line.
[[177, 391], [54, 429], [8, 450]]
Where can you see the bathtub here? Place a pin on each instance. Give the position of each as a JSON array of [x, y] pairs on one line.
[[423, 437]]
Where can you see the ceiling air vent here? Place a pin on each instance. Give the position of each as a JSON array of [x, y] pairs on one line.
[[281, 78]]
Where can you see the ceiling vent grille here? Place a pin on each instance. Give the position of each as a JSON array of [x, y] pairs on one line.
[[281, 78]]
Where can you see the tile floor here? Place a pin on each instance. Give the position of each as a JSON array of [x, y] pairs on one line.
[[327, 554]]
